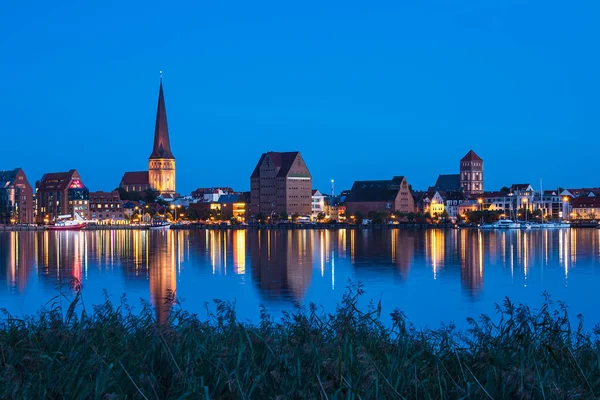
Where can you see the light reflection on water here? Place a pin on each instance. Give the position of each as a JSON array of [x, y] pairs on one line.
[[433, 275]]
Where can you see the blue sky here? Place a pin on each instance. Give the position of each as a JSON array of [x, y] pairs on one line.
[[364, 91]]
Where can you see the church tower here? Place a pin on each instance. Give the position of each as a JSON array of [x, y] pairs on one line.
[[161, 165], [471, 174]]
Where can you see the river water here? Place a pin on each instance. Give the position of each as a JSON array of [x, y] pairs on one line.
[[433, 275]]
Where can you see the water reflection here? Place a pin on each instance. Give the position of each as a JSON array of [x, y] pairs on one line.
[[282, 262], [279, 267]]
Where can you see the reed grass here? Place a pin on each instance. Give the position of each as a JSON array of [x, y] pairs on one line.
[[112, 352]]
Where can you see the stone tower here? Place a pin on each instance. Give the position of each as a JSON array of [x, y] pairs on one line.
[[471, 174], [161, 164]]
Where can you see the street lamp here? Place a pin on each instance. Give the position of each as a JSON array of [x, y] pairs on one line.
[[565, 206], [525, 206], [480, 201], [174, 207]]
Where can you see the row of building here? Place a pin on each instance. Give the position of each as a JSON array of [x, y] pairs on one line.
[[280, 184]]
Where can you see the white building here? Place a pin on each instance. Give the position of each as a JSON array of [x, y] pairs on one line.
[[318, 204], [452, 201]]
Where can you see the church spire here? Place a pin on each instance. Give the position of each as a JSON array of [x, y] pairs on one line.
[[162, 145]]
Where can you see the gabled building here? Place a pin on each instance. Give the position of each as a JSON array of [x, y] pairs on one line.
[[471, 174], [318, 203], [384, 196], [448, 183], [61, 193], [452, 201], [281, 183], [432, 202], [16, 198], [586, 208], [135, 181]]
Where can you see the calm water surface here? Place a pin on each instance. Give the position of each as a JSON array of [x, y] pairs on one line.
[[432, 275]]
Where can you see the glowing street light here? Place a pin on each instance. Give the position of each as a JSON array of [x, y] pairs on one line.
[[525, 206]]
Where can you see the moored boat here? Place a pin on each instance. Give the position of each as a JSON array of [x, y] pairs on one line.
[[507, 224], [67, 226], [67, 223], [159, 224]]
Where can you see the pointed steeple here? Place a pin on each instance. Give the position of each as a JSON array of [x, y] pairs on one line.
[[162, 145]]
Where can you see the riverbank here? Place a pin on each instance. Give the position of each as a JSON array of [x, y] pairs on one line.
[[187, 227], [116, 353]]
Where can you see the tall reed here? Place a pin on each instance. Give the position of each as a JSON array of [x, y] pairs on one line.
[[112, 352]]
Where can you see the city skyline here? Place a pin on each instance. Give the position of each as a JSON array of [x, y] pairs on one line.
[[407, 94]]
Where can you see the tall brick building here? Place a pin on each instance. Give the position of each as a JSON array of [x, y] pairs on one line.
[[281, 183], [61, 193], [16, 198], [471, 174]]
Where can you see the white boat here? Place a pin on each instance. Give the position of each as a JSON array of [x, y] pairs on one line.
[[159, 225], [67, 226], [64, 224], [507, 224], [552, 225], [501, 224]]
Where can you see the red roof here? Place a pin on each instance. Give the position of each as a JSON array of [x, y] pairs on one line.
[[283, 161], [135, 178], [586, 202], [57, 181], [584, 191], [471, 156]]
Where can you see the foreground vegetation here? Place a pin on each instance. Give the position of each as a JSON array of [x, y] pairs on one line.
[[115, 353]]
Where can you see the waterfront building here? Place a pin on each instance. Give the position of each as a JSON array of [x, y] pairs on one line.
[[130, 207], [318, 204], [107, 207], [471, 174], [335, 207], [431, 202], [496, 201], [551, 203], [453, 200], [16, 198], [281, 183], [585, 208], [135, 181], [61, 194], [467, 206], [384, 196], [233, 206]]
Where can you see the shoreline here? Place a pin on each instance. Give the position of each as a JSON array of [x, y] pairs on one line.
[[16, 228]]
